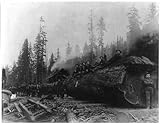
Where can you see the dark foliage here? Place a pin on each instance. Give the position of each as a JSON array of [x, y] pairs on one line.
[[146, 46]]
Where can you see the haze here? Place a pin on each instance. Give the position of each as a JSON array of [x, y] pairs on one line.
[[65, 22]]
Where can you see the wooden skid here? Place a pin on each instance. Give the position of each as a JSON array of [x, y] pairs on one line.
[[17, 107], [43, 106], [26, 112], [39, 114]]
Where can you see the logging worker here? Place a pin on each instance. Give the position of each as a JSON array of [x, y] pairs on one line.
[[4, 78], [96, 63], [101, 60], [75, 69], [83, 68], [80, 69], [105, 58], [149, 89], [58, 87], [88, 67]]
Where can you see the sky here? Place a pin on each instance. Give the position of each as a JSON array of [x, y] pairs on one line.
[[64, 22]]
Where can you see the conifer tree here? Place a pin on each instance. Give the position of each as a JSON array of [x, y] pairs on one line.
[[51, 63], [92, 38], [101, 29], [68, 50], [40, 54], [134, 26]]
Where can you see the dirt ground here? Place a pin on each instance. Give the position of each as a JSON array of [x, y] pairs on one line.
[[70, 110]]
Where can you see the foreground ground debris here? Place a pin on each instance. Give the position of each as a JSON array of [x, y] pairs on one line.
[[70, 110]]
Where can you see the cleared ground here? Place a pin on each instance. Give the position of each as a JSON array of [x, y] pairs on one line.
[[70, 110]]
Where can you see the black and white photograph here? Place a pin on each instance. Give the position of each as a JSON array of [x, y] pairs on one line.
[[79, 62]]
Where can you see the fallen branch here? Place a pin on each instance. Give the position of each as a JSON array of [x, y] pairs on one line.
[[136, 119]]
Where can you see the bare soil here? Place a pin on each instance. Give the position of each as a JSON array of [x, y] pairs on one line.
[[70, 110]]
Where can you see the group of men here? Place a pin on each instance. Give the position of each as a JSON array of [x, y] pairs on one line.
[[82, 68], [102, 61], [86, 67]]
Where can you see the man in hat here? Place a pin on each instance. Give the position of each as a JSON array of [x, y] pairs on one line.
[[149, 89]]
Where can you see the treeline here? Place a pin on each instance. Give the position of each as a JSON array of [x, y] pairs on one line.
[[32, 67], [142, 38]]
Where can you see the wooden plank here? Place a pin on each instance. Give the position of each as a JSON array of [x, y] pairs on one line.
[[40, 104], [39, 114], [26, 112], [40, 111], [17, 107], [30, 106]]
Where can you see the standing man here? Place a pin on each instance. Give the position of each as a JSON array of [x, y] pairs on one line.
[[149, 90], [3, 78], [105, 58], [89, 67]]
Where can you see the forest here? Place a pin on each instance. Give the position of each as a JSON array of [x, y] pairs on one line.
[[33, 66]]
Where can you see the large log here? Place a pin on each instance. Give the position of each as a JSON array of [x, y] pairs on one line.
[[43, 106]]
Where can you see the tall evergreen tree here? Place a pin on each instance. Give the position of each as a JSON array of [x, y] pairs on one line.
[[40, 54], [8, 72], [92, 38], [58, 54], [152, 25], [68, 50], [85, 49], [120, 43], [134, 26], [113, 49], [108, 51], [125, 48], [23, 65], [51, 63], [152, 12], [101, 29], [31, 65], [13, 76]]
